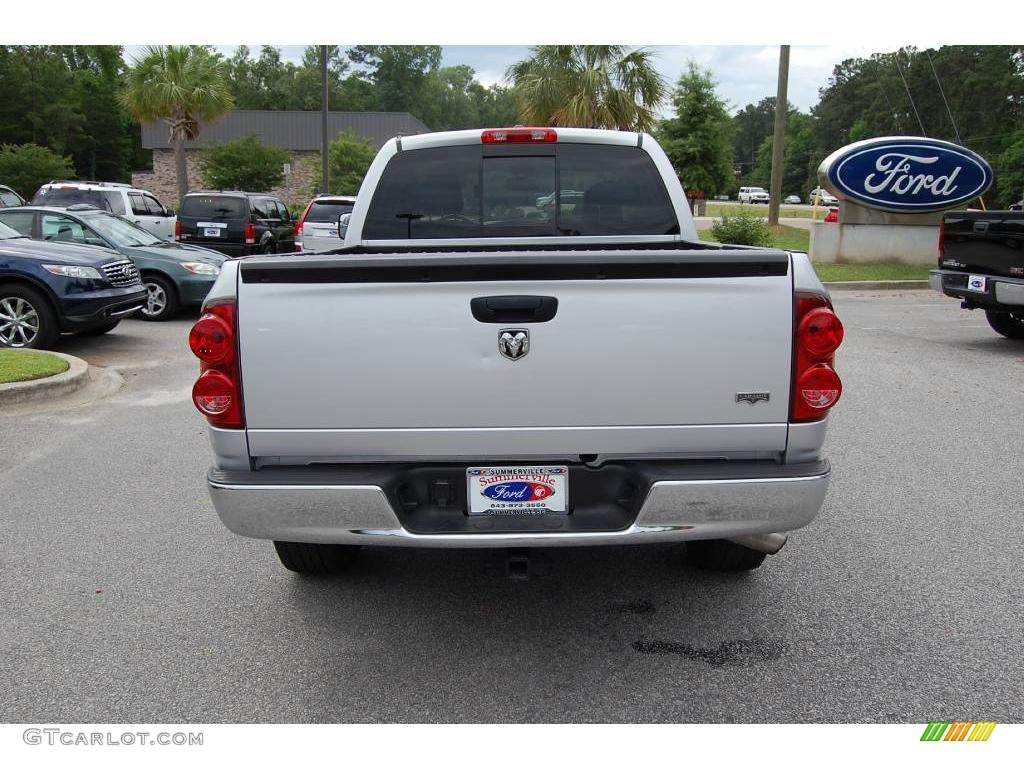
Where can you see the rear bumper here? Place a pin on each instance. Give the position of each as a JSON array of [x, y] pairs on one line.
[[1000, 292], [345, 506]]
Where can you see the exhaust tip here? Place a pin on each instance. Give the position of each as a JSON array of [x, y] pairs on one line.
[[769, 543]]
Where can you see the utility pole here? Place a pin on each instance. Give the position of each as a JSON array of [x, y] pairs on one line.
[[323, 120], [781, 102]]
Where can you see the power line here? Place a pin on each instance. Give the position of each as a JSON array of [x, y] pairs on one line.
[[906, 87], [943, 94]]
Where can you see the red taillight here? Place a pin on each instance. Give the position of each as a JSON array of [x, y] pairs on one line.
[[819, 387], [298, 226], [212, 340], [214, 393], [217, 393], [177, 230], [250, 234], [518, 135], [942, 240], [818, 333]]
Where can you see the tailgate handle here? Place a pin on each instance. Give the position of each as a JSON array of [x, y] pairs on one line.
[[514, 309]]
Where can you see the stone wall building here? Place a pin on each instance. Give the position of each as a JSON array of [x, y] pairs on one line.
[[297, 132]]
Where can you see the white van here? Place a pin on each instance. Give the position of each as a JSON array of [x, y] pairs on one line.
[[136, 205], [753, 195]]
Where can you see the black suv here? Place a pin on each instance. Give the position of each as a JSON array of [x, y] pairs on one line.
[[236, 223]]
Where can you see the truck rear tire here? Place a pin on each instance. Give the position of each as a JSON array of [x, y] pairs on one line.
[[1009, 324], [722, 555], [315, 559]]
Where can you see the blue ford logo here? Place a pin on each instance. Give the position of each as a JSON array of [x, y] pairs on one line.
[[906, 174], [519, 491]]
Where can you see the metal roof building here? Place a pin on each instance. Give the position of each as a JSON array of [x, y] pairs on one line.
[[294, 130]]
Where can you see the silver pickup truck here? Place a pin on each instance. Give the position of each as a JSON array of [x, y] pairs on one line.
[[486, 363]]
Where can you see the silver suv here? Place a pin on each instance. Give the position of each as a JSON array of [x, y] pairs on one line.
[[137, 205]]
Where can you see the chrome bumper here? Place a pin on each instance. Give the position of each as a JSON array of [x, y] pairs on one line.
[[673, 510]]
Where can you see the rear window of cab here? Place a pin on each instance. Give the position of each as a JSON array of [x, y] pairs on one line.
[[564, 190]]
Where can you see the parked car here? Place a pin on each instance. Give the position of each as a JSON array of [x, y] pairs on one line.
[[823, 197], [792, 200], [753, 195], [236, 223], [832, 217], [451, 380], [9, 198], [137, 205], [49, 288], [317, 227], [981, 263], [174, 274]]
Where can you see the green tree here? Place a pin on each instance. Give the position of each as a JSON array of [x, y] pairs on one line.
[[588, 86], [183, 86], [800, 162], [26, 167], [399, 74], [698, 140], [349, 157], [751, 126], [245, 163], [65, 97], [1009, 173]]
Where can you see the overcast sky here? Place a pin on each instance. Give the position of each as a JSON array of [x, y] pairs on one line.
[[745, 74]]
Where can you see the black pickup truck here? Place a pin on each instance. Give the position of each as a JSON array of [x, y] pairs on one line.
[[981, 262]]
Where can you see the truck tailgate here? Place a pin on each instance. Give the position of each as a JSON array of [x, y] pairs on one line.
[[648, 352]]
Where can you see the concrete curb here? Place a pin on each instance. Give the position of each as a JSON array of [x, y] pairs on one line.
[[73, 379], [878, 285]]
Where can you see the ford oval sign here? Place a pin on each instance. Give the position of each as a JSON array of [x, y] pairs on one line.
[[906, 174]]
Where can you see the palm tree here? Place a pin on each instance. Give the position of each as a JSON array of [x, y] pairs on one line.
[[181, 85], [588, 86]]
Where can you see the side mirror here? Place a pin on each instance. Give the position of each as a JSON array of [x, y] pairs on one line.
[[343, 224], [169, 212]]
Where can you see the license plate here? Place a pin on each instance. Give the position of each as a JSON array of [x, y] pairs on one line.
[[977, 283], [211, 232], [518, 490]]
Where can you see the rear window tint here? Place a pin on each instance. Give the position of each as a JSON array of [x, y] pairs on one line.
[[64, 197], [327, 212], [451, 192], [213, 207]]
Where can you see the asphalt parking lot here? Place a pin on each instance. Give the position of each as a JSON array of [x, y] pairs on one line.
[[126, 599]]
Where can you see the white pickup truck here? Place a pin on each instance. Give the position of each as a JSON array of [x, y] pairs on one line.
[[475, 368]]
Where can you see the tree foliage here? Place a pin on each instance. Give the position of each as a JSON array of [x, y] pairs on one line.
[[349, 157], [588, 86], [26, 167], [245, 163], [698, 140], [65, 97], [800, 162]]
